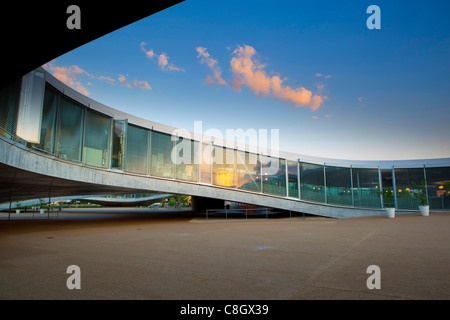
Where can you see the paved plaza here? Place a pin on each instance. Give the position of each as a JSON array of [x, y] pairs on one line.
[[178, 255]]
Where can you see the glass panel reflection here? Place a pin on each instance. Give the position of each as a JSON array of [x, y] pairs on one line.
[[312, 182], [223, 168], [47, 140], [96, 139], [388, 188], [366, 187], [273, 175], [119, 144], [248, 169], [137, 150], [407, 185], [30, 107], [161, 155], [69, 130], [9, 105], [206, 163], [185, 159], [438, 181], [338, 185], [293, 179]]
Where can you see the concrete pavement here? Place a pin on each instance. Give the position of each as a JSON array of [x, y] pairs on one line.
[[180, 256]]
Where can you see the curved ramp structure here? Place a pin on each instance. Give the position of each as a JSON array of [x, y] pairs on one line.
[[56, 142]]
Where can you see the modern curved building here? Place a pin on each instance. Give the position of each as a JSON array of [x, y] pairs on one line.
[[56, 142]]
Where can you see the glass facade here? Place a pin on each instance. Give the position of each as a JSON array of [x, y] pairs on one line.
[[78, 133], [248, 170], [339, 188], [96, 141], [30, 107], [273, 175], [186, 155], [312, 182], [223, 167], [69, 130], [161, 164], [49, 108], [387, 184], [366, 186], [137, 149], [9, 104], [205, 167], [438, 187], [119, 143], [293, 179], [407, 186]]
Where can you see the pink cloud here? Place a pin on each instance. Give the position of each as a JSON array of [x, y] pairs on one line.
[[123, 80], [163, 59], [68, 76], [136, 83], [299, 96], [205, 57], [247, 70], [107, 79], [142, 85], [149, 53], [163, 63]]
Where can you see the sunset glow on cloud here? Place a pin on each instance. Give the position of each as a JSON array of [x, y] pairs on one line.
[[68, 76], [163, 59], [212, 64], [247, 70]]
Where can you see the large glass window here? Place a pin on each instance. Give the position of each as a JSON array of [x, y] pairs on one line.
[[161, 155], [185, 159], [438, 181], [69, 130], [137, 149], [338, 185], [293, 179], [119, 144], [96, 139], [30, 107], [223, 168], [366, 186], [206, 163], [9, 105], [407, 185], [248, 170], [312, 182], [388, 188], [48, 124], [273, 175]]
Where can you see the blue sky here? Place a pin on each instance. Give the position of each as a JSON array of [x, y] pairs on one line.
[[311, 69]]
